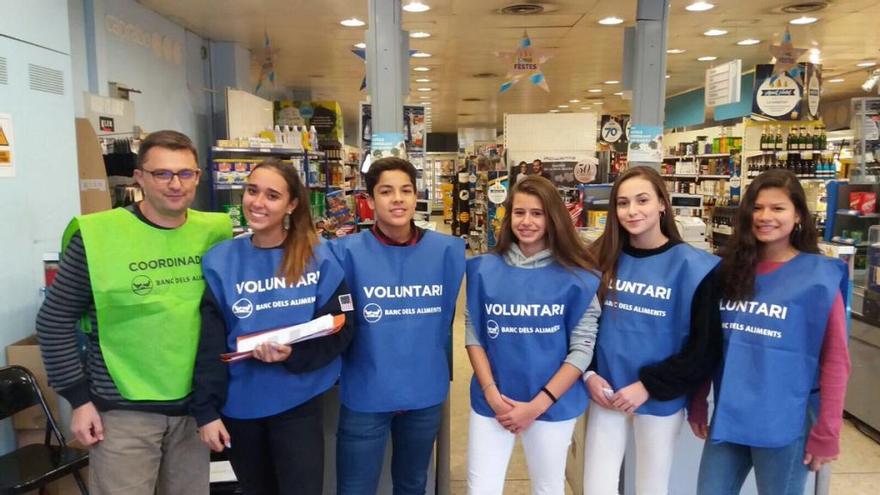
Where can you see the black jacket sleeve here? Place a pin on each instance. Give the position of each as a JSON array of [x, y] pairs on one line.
[[210, 375], [317, 353], [681, 373]]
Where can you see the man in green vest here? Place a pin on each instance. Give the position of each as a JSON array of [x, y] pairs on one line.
[[133, 277]]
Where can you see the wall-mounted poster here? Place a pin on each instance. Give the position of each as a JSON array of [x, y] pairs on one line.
[[7, 157], [326, 116]]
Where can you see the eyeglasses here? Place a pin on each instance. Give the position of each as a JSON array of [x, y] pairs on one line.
[[184, 175]]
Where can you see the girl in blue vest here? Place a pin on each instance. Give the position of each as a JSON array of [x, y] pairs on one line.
[[659, 335], [267, 410], [532, 316], [784, 324]]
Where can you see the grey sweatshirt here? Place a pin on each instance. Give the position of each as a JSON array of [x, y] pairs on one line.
[[583, 336]]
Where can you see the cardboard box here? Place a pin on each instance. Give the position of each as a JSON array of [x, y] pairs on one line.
[[26, 352]]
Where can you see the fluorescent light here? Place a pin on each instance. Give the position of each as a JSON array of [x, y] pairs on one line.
[[353, 22], [800, 21], [562, 106], [554, 111], [420, 34], [416, 6], [421, 69], [424, 97], [836, 80], [675, 51], [612, 81], [360, 45], [866, 64], [707, 58], [748, 42], [586, 108], [424, 90], [421, 55], [619, 93], [715, 32], [869, 83], [574, 101], [668, 76], [594, 90], [611, 21], [598, 102], [423, 80], [699, 7]]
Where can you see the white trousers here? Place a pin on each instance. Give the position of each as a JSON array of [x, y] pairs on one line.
[[489, 447], [605, 444]]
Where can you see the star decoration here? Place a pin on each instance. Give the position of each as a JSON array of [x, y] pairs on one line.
[[786, 55], [362, 54], [526, 61], [267, 63]]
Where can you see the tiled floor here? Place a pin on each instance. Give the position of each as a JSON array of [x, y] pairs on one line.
[[857, 472]]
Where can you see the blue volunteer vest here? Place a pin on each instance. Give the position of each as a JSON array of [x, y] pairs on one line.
[[404, 304], [771, 352], [253, 297], [524, 318], [646, 318]]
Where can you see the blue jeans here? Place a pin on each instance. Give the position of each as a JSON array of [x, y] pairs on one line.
[[360, 449], [778, 471]]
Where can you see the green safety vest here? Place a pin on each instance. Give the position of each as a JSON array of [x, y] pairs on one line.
[[147, 286]]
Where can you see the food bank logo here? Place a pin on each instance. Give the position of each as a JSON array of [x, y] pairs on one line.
[[372, 312], [242, 308], [141, 285]]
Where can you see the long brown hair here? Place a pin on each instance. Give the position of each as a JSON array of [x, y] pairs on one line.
[[562, 239], [299, 244], [740, 254], [610, 244]]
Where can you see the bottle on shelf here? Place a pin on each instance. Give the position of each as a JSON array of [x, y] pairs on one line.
[[313, 138], [764, 137], [779, 141], [808, 138], [793, 141]]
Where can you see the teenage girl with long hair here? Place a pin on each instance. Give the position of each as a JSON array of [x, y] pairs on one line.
[[531, 324], [659, 335], [267, 411], [784, 321]]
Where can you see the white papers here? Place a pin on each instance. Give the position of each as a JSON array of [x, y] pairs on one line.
[[287, 335]]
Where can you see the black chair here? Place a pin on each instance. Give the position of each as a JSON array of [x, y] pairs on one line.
[[34, 466]]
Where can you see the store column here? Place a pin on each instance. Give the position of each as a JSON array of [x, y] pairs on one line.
[[387, 65], [649, 66]]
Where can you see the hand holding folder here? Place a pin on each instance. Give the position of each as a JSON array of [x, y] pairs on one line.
[[319, 327]]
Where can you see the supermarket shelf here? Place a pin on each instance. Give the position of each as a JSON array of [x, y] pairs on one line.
[[687, 158], [853, 213], [694, 176], [267, 151]]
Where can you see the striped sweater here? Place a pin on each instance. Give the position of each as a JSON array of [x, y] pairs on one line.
[[78, 377]]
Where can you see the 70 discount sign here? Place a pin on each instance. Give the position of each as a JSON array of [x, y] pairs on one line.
[[612, 129]]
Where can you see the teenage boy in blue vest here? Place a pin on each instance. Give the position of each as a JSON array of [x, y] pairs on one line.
[[395, 376], [135, 274]]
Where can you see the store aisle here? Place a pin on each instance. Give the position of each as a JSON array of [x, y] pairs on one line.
[[857, 472]]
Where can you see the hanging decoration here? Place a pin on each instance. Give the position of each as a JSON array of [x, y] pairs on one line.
[[362, 54], [786, 56], [526, 61], [267, 63]]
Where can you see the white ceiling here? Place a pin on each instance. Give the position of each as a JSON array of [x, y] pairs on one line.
[[314, 50]]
